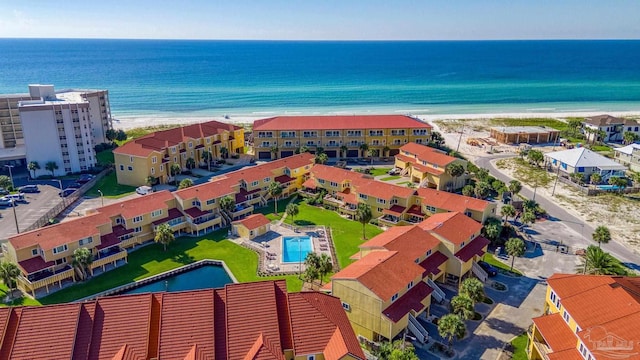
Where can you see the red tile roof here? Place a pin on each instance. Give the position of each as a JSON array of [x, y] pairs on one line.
[[254, 221], [137, 206], [309, 184], [451, 202], [34, 264], [454, 227], [411, 242], [171, 214], [556, 332], [160, 140], [283, 179], [475, 247], [420, 153], [410, 301], [569, 354], [194, 212], [415, 210], [338, 122], [395, 210], [107, 241]]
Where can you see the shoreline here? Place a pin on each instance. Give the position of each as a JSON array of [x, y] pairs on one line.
[[127, 122]]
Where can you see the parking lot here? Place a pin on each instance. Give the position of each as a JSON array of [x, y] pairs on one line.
[[35, 206]]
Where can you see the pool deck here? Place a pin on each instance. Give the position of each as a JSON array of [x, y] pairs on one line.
[[269, 247]]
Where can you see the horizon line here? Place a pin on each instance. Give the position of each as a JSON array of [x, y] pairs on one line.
[[321, 40]]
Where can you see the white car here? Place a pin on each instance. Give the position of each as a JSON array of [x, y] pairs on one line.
[[144, 190]]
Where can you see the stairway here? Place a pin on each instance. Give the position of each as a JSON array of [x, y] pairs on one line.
[[479, 272], [437, 293], [417, 329]]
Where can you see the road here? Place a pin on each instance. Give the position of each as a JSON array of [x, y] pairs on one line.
[[625, 255]]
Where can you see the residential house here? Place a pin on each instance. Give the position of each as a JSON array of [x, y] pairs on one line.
[[612, 127], [340, 136], [240, 321], [153, 154], [428, 167], [525, 134], [629, 156], [390, 204], [394, 277], [251, 227], [587, 317], [583, 161]]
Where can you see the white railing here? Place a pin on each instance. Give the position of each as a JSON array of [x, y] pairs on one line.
[[438, 294], [417, 329], [479, 272]]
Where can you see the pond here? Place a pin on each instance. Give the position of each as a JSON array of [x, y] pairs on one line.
[[203, 277]]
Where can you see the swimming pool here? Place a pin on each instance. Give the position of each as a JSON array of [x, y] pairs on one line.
[[608, 187], [203, 277], [295, 248]]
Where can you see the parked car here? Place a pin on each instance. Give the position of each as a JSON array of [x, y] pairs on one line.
[[84, 178], [16, 197], [4, 191], [74, 185], [29, 189], [144, 190], [394, 171], [4, 201], [490, 269], [66, 192]]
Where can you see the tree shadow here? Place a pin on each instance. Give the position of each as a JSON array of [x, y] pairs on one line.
[[304, 223], [183, 259]]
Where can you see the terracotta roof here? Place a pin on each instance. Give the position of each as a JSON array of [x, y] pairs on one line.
[[309, 184], [432, 263], [411, 242], [394, 210], [475, 247], [454, 227], [451, 202], [34, 264], [283, 179], [216, 188], [137, 206], [254, 221], [415, 210], [569, 354], [338, 122], [62, 233], [566, 285], [410, 301], [425, 153], [160, 140], [385, 273], [171, 214], [194, 212], [107, 241], [556, 332]]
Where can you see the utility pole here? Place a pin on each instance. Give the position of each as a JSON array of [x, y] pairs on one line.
[[11, 175], [15, 216], [460, 138], [556, 182]]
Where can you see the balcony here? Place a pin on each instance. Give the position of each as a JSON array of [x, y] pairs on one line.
[[389, 220], [31, 286], [110, 257], [330, 200], [241, 210], [542, 348]]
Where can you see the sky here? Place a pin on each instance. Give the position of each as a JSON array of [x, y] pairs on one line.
[[322, 19]]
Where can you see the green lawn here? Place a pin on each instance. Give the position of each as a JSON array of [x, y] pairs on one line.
[[110, 188], [152, 260], [520, 347], [552, 123], [389, 178], [499, 264], [105, 157], [379, 171]]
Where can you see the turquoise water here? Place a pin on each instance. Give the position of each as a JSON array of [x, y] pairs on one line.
[[262, 78], [295, 248], [204, 277], [608, 187]]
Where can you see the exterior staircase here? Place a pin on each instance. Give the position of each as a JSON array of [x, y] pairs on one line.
[[479, 272], [437, 293], [417, 329]]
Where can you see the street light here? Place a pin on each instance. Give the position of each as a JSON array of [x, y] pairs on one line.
[[101, 197], [15, 216], [10, 175]]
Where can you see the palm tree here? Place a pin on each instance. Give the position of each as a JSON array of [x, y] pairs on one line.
[[224, 152], [227, 204], [292, 210], [598, 262], [629, 137], [620, 182], [601, 136], [9, 273], [507, 211], [190, 163], [150, 180], [5, 181], [33, 166], [321, 158], [528, 217], [343, 150], [385, 151], [462, 305], [274, 189], [602, 235], [455, 169], [51, 166], [492, 228], [468, 190], [473, 288], [164, 235], [206, 156], [450, 326], [274, 151], [325, 266], [535, 156], [82, 259], [364, 148], [515, 247], [185, 183], [174, 170], [515, 186], [595, 178], [303, 149], [364, 215]]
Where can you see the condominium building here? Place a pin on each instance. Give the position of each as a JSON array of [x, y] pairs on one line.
[[394, 277], [240, 321], [339, 136], [613, 128], [629, 156], [390, 204], [587, 317], [33, 118], [152, 155], [427, 167], [44, 256]]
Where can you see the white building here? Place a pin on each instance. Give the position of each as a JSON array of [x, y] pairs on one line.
[[63, 127], [613, 127], [12, 135], [629, 155], [585, 162]]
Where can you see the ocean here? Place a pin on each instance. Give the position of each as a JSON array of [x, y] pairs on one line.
[[261, 78]]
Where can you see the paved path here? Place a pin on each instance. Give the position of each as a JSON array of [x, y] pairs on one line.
[[561, 216]]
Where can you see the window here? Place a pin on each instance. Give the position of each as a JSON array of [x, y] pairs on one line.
[[410, 285], [60, 249], [394, 297], [153, 171], [417, 260], [565, 316], [196, 203], [382, 201], [419, 132], [211, 201], [397, 132], [267, 179], [156, 213], [137, 219], [363, 196], [255, 183], [154, 159], [354, 132], [173, 150], [130, 158], [428, 252], [430, 208], [119, 221], [287, 134], [311, 357], [121, 167], [462, 244], [333, 184], [190, 145], [34, 252], [332, 133], [88, 240], [251, 233], [320, 181], [130, 168], [161, 167], [346, 306], [61, 261], [208, 140], [309, 134], [266, 144], [137, 229], [376, 133]]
